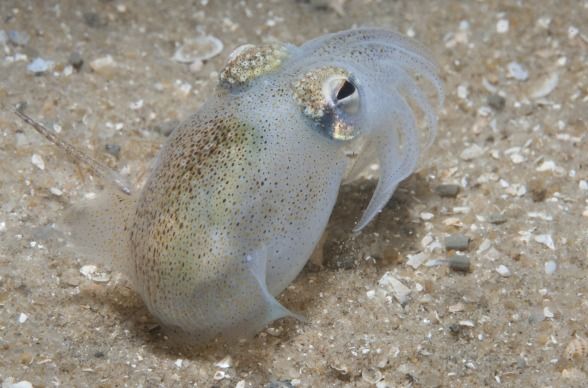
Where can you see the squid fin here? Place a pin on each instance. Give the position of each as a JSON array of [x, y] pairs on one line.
[[257, 265]]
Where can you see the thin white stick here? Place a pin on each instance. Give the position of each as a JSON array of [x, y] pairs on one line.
[[98, 168]]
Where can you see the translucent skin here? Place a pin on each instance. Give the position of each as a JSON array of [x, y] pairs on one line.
[[242, 191]]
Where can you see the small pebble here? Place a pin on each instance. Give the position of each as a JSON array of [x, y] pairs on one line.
[[550, 267], [457, 242], [497, 218], [503, 271], [94, 20], [459, 263], [75, 59], [18, 38], [547, 313], [496, 102], [447, 191], [113, 149], [39, 66]]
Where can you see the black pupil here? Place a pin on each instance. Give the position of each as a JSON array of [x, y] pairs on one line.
[[346, 90]]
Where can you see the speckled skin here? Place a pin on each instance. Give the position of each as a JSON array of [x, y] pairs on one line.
[[242, 191], [227, 188]]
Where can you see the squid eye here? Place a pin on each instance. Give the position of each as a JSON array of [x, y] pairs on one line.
[[346, 90], [344, 95], [329, 97]]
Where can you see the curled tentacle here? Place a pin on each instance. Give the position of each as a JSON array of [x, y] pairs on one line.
[[397, 153]]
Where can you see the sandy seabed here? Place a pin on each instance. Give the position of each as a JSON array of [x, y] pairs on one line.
[[513, 136]]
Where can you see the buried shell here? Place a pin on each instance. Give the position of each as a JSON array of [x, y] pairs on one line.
[[576, 349], [201, 48]]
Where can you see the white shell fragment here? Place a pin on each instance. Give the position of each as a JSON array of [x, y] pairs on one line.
[[503, 271], [426, 216], [22, 318], [201, 48], [91, 272], [37, 160], [548, 165], [546, 240], [395, 286], [545, 86], [456, 308], [502, 26], [224, 363], [103, 65], [550, 267], [472, 152], [40, 66], [415, 261], [9, 383], [517, 71]]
